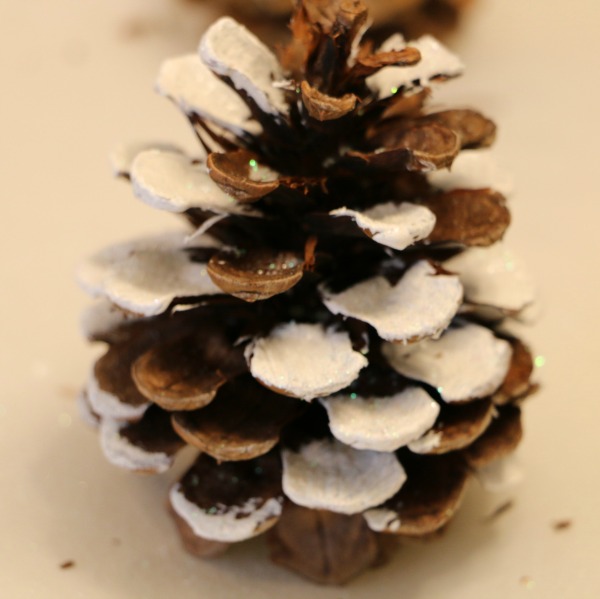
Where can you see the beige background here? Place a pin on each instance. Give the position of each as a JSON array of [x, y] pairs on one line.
[[76, 78]]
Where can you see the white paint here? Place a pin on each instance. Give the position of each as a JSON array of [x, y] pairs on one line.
[[122, 156], [170, 181], [393, 225], [102, 317], [229, 524], [382, 520], [494, 276], [501, 475], [145, 275], [197, 90], [304, 360], [230, 50], [421, 304], [427, 443], [332, 476], [473, 169], [382, 423], [120, 452], [467, 362], [109, 406], [436, 60], [85, 411]]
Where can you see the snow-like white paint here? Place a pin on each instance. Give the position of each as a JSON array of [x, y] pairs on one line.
[[332, 476], [230, 50], [382, 520], [382, 423], [120, 452], [109, 406], [436, 60], [86, 414], [102, 317], [123, 155], [304, 360], [227, 523], [421, 304], [145, 275], [171, 181], [393, 225], [467, 362], [197, 90], [501, 475], [427, 443], [494, 276], [473, 169]]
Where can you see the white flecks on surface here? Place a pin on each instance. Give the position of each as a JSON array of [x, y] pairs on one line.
[[501, 475], [421, 304], [304, 360], [382, 520], [230, 50], [467, 362], [227, 524], [170, 181], [120, 452], [494, 276], [102, 317], [197, 90], [329, 475], [393, 225], [381, 423], [436, 60], [473, 169], [109, 406], [145, 275], [122, 156]]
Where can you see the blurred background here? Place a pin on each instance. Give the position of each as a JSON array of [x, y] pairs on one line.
[[77, 78]]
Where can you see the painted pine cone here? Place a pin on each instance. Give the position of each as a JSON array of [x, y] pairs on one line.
[[327, 330]]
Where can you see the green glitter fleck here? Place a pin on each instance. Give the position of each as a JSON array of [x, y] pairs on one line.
[[539, 361], [394, 91], [212, 510], [253, 165], [353, 395], [272, 266], [440, 390]]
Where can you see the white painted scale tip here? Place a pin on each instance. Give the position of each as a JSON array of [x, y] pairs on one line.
[[188, 82], [502, 475], [473, 169], [304, 360], [495, 277], [170, 181], [393, 225], [381, 423], [436, 60], [144, 276], [227, 524], [420, 305], [329, 475], [382, 520], [231, 51], [468, 362], [101, 317], [122, 156], [109, 406], [120, 452]]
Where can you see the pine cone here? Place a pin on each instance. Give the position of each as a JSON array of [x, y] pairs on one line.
[[329, 336], [413, 16]]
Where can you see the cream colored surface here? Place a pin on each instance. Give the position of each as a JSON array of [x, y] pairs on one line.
[[76, 79]]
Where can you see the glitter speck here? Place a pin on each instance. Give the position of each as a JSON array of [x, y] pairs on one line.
[[272, 266], [394, 90], [291, 264], [539, 361], [260, 271], [64, 420], [212, 510], [353, 395], [440, 390], [253, 165]]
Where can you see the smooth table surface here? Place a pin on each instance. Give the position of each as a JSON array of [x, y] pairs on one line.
[[77, 78]]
